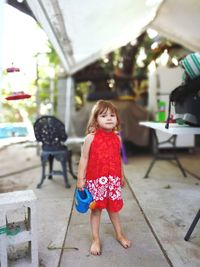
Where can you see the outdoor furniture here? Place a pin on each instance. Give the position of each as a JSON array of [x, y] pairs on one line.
[[18, 232], [175, 129], [50, 131], [157, 155], [192, 226]]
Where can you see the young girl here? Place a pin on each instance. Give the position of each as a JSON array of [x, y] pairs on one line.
[[100, 170]]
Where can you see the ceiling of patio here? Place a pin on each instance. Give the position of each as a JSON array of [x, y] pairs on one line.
[[84, 31]]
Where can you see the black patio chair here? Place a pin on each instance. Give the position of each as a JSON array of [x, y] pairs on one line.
[[50, 131]]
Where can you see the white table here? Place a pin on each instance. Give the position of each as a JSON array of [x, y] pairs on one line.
[[174, 129]]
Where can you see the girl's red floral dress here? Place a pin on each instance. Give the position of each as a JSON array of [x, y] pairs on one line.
[[104, 172]]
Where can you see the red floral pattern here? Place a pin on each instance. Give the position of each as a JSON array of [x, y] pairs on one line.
[[103, 172]]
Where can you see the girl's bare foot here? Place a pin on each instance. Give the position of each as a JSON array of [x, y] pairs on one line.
[[95, 247], [126, 243]]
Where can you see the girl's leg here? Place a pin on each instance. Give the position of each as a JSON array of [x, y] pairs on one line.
[[95, 225], [115, 219]]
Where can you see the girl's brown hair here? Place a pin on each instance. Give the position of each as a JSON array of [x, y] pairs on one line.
[[99, 108]]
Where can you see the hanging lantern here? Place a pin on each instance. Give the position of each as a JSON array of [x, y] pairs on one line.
[[15, 82]]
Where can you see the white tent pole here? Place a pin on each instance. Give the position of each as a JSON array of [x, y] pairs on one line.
[[69, 102], [2, 5]]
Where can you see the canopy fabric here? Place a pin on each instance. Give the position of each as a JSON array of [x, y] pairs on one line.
[[179, 21], [84, 31]]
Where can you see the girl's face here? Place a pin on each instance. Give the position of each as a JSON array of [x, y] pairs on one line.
[[107, 120]]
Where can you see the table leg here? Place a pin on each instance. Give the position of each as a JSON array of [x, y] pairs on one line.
[[192, 226], [158, 156], [150, 167], [180, 167]]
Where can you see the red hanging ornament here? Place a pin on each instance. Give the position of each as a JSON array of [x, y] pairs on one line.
[[13, 69], [16, 95]]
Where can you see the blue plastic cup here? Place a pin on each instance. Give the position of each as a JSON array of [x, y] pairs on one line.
[[83, 198]]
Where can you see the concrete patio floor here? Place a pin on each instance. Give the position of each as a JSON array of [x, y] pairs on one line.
[[156, 216]]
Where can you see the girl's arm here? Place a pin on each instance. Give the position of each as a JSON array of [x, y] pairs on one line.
[[123, 177], [83, 161], [123, 182]]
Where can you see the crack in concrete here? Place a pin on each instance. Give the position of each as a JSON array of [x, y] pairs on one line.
[[65, 237], [149, 224], [20, 171]]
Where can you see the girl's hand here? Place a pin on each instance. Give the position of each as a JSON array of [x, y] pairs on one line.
[[123, 182], [80, 184]]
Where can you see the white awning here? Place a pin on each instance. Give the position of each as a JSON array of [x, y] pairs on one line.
[[84, 31], [179, 21]]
